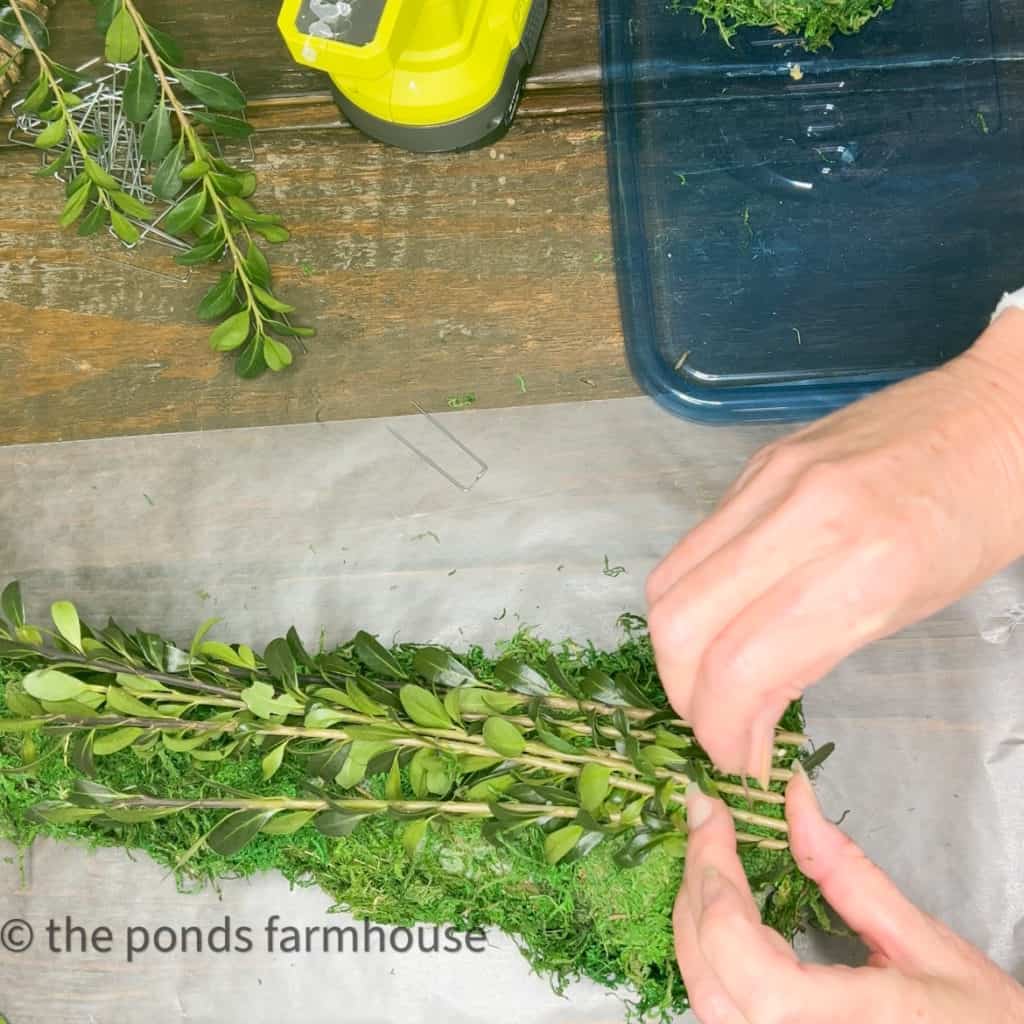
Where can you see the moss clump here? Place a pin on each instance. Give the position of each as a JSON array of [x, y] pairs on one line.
[[816, 22]]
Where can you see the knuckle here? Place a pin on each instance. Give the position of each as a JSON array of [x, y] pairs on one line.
[[664, 625], [779, 458], [710, 1005], [826, 480], [724, 666], [653, 585], [775, 1006]]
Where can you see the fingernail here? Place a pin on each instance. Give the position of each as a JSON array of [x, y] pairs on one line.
[[698, 806], [711, 886]]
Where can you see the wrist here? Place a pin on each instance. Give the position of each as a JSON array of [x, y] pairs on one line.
[[990, 380]]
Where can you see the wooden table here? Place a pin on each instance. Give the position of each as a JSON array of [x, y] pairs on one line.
[[426, 276]]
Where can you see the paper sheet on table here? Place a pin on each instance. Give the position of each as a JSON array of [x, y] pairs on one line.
[[339, 526]]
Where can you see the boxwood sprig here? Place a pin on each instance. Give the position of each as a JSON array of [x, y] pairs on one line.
[[216, 215], [176, 110]]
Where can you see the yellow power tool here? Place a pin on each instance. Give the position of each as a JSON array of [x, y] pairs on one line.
[[426, 75]]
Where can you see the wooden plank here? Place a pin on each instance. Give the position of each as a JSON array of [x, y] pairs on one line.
[[242, 36], [425, 276]]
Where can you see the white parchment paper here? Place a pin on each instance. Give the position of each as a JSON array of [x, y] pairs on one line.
[[339, 527]]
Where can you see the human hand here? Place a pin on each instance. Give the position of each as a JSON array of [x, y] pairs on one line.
[[738, 971], [838, 534]]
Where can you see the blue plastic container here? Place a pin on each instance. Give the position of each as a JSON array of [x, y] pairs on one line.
[[794, 230]]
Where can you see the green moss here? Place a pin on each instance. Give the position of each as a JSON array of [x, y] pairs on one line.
[[815, 21]]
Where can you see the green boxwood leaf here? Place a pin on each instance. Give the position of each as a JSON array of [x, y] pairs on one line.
[[221, 652], [167, 182], [193, 170], [52, 134], [558, 843], [185, 215], [18, 725], [393, 785], [54, 812], [376, 657], [12, 605], [272, 761], [280, 662], [423, 707], [166, 47], [215, 91], [514, 675], [231, 333], [157, 136], [271, 301], [65, 618], [122, 39], [288, 823], [202, 253], [593, 786], [235, 830], [110, 742], [98, 175], [552, 740], [476, 700], [140, 91], [250, 362], [338, 822], [222, 124], [130, 205], [438, 665], [503, 737], [11, 29], [276, 354], [55, 166], [414, 835], [256, 265], [219, 299], [272, 232], [126, 704], [19, 702], [124, 228], [38, 95]]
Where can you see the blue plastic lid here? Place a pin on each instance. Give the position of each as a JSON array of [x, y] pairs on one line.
[[793, 230]]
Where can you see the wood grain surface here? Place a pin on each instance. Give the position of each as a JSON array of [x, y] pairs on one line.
[[426, 276]]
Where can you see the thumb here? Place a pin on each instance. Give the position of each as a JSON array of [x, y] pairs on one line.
[[865, 897]]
